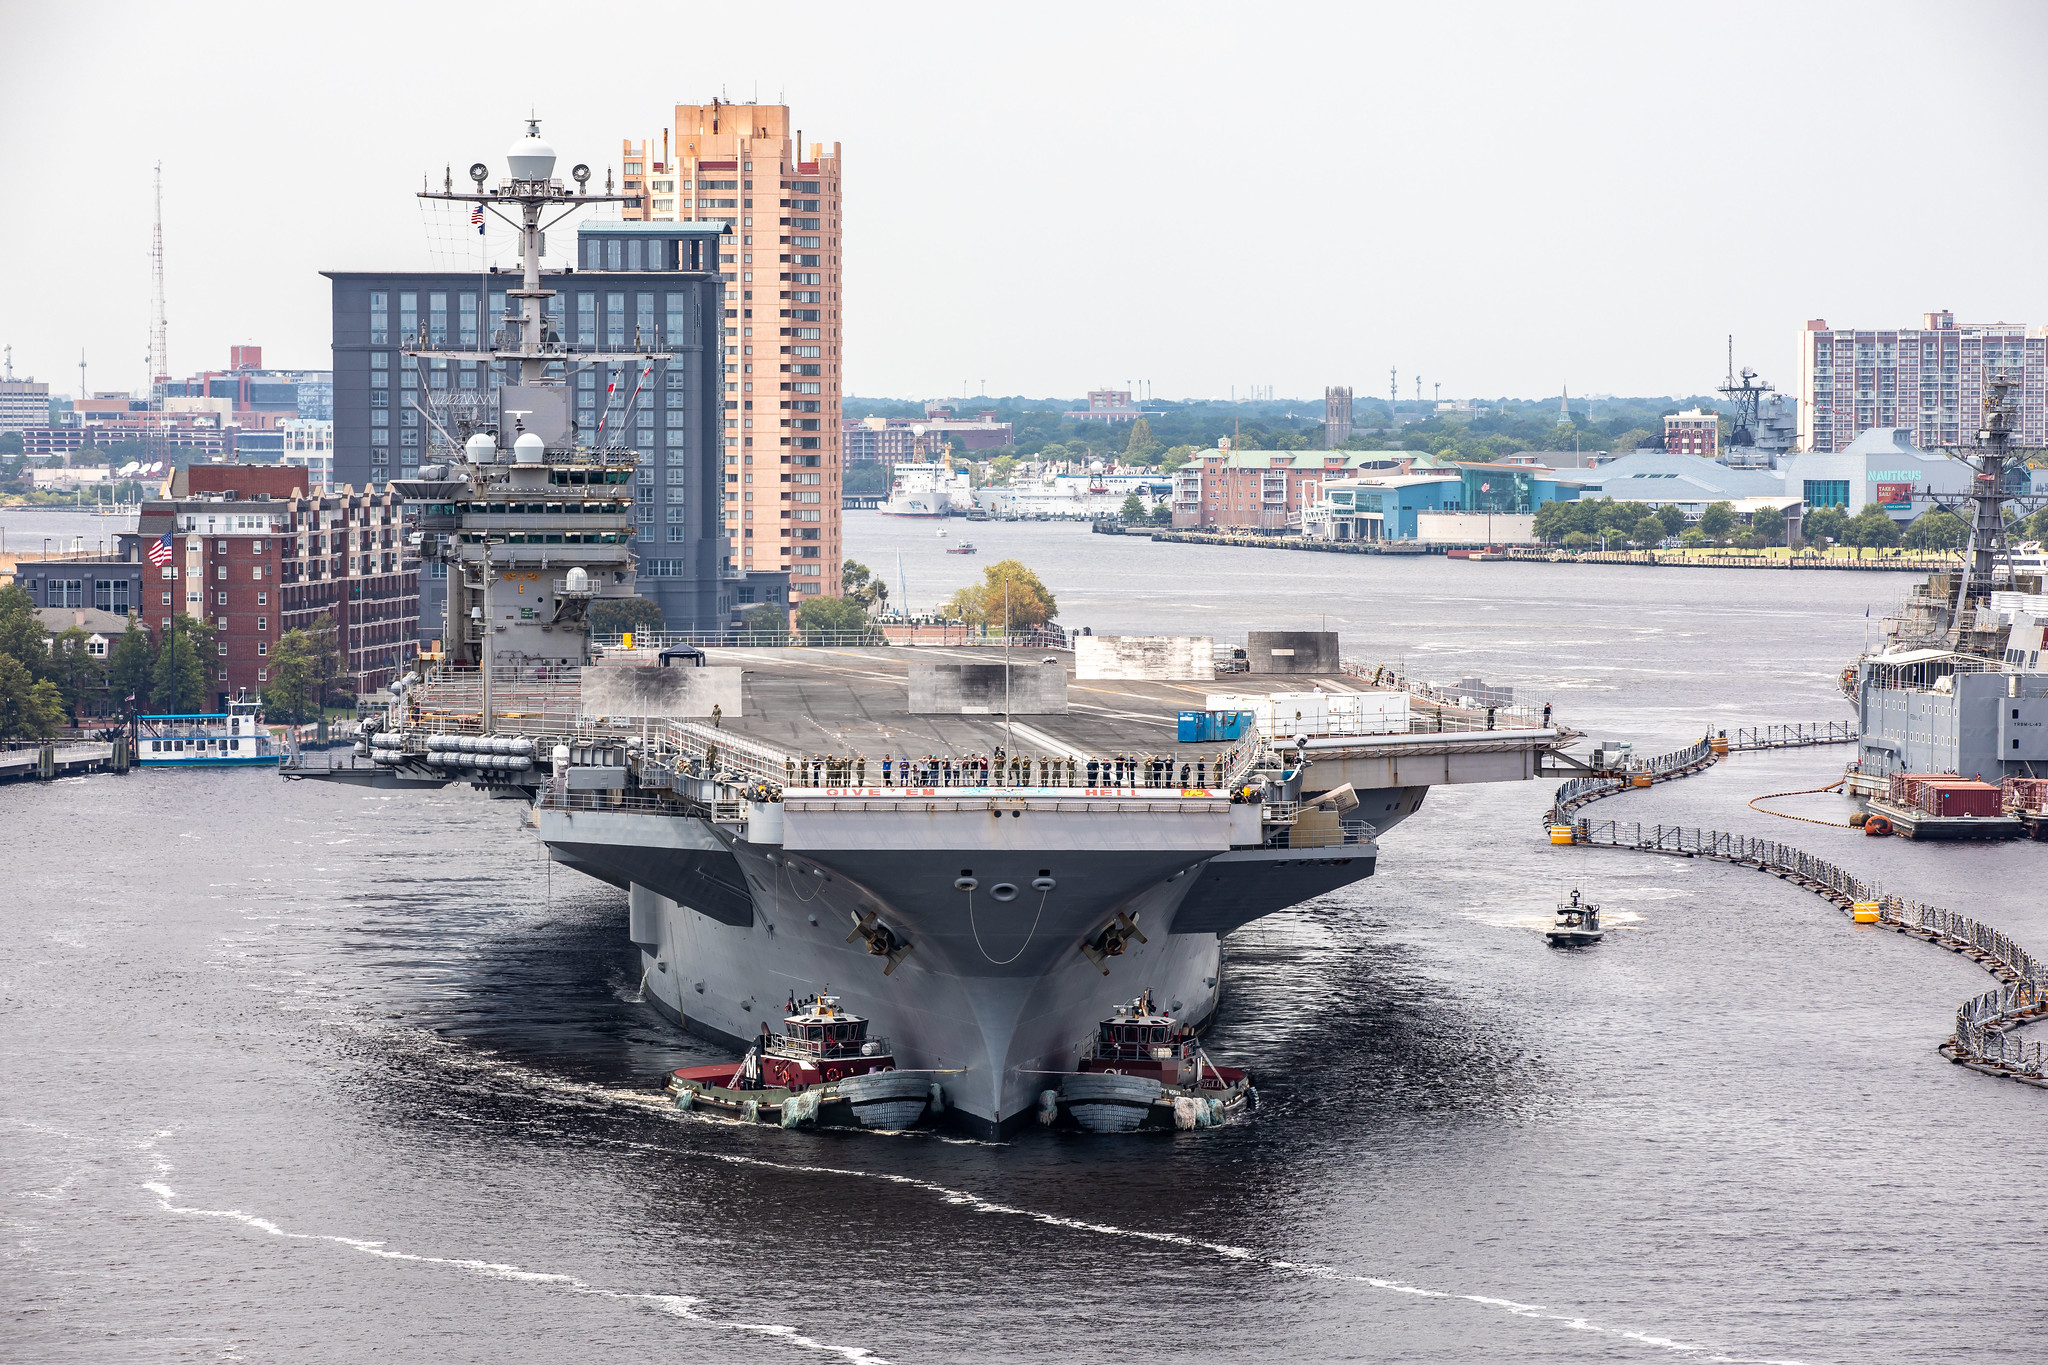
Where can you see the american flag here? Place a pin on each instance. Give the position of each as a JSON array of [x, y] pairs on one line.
[[160, 553], [476, 219]]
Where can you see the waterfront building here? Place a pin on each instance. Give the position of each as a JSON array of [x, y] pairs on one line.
[[637, 285], [1109, 405], [746, 168], [110, 583], [1928, 380], [1466, 502], [1262, 490], [1657, 477], [255, 562], [895, 440], [24, 403], [1884, 466], [1693, 432], [308, 444]]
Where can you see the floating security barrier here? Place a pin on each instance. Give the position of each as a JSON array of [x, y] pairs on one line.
[[1560, 834], [1865, 912]]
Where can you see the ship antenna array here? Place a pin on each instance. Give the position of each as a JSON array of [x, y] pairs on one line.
[[1993, 461]]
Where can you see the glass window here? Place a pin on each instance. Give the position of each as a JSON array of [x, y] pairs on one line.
[[644, 320], [678, 324], [466, 324], [586, 317], [437, 319], [380, 317], [408, 317], [593, 254], [678, 533], [615, 320], [611, 254], [633, 254]]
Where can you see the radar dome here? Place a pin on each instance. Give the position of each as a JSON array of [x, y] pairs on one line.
[[530, 158], [529, 448], [481, 449], [578, 580]]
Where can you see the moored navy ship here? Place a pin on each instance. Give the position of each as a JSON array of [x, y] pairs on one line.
[[983, 851], [1955, 696]]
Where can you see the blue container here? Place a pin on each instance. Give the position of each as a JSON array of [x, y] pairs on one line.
[[1213, 727]]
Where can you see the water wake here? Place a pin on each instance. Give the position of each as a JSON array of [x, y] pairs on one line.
[[682, 1306]]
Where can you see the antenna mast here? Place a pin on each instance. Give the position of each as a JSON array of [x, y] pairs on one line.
[[159, 345]]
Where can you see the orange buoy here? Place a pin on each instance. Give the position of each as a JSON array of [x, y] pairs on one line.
[[1877, 826]]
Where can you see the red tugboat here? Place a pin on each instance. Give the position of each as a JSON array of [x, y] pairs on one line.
[[822, 1069], [1148, 1071]]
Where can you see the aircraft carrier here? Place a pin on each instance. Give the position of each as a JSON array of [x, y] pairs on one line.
[[984, 849]]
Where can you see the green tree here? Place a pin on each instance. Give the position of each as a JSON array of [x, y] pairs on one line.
[[290, 696], [22, 636], [30, 708], [617, 615], [80, 676], [823, 616], [1747, 539], [768, 623], [863, 586], [1133, 510], [1936, 530], [1553, 521], [1673, 517], [1692, 538], [1769, 525], [178, 684], [1577, 540], [1718, 521], [1826, 523], [1008, 591], [128, 668], [1175, 457], [1001, 468], [1648, 531], [1872, 528], [1140, 448]]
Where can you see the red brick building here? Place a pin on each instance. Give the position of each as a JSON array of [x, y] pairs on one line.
[[1262, 490], [255, 559]]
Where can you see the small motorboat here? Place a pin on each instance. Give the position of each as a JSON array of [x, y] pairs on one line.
[[965, 547], [1148, 1071], [823, 1069], [1577, 924]]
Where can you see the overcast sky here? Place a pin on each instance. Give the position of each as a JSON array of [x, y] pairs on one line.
[[1048, 198]]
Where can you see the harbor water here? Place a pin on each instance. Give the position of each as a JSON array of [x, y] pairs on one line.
[[318, 1073]]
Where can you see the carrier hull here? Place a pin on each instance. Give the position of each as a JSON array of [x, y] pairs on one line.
[[997, 996]]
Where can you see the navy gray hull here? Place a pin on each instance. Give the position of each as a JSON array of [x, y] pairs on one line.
[[1014, 926]]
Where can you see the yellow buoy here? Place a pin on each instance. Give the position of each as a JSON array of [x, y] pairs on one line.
[[1641, 780], [1865, 912], [1719, 744], [1560, 834]]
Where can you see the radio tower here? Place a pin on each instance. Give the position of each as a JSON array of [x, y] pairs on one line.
[[159, 347]]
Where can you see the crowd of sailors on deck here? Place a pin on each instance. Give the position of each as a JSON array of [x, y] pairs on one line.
[[1001, 770]]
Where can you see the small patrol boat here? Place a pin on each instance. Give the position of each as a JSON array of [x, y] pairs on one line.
[[1577, 923], [965, 547], [1147, 1071], [823, 1069]]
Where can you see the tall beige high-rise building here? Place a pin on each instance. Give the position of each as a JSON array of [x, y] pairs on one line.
[[744, 164]]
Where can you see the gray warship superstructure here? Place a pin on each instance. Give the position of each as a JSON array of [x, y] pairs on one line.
[[1958, 683], [983, 848]]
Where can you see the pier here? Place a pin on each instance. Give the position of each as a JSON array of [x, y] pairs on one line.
[[48, 762], [1985, 1024], [1751, 737]]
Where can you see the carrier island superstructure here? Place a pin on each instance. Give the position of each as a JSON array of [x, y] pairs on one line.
[[984, 849]]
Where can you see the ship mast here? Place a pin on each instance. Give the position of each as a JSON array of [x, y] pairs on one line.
[[1995, 465]]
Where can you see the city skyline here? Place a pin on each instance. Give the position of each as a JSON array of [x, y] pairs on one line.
[[1485, 204]]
